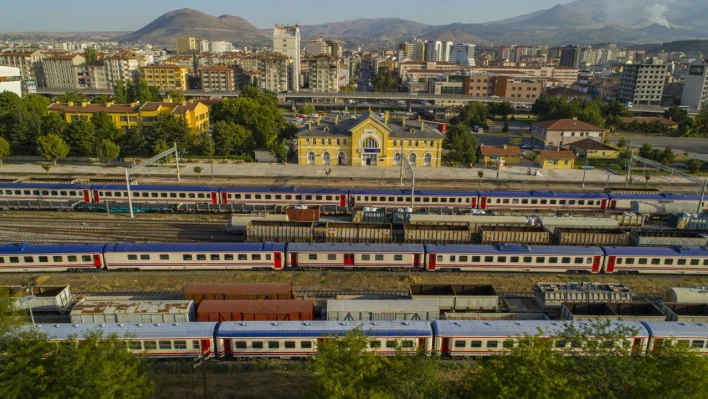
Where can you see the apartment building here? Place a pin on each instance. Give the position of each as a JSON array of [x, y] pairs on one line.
[[462, 54], [273, 71], [286, 41], [220, 78], [120, 68], [65, 72], [695, 88], [643, 84], [324, 74], [316, 47], [97, 76], [29, 63], [520, 87], [333, 48], [165, 77], [570, 56], [430, 67], [481, 85], [186, 45]]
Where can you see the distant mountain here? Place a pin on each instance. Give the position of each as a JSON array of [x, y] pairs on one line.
[[454, 35], [557, 16], [680, 46], [385, 28], [188, 22]]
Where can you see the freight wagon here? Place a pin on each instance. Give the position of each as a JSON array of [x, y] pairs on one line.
[[199, 292], [249, 310]]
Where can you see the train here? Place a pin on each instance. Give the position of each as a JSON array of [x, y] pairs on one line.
[[26, 257], [299, 339], [334, 200]]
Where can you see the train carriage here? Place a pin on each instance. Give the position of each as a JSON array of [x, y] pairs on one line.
[[25, 257], [542, 200], [423, 198], [514, 258], [156, 194], [694, 335], [355, 256], [197, 256], [276, 198], [673, 202], [478, 338], [659, 260], [292, 339], [44, 192], [155, 340]]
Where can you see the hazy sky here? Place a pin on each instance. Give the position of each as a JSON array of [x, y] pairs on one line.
[[130, 15]]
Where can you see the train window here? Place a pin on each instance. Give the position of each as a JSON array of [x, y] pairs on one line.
[[201, 256], [288, 197], [215, 257], [163, 195], [506, 200], [426, 199], [501, 259], [705, 262], [228, 257], [255, 257], [391, 344], [515, 201], [289, 344], [553, 259], [298, 197], [43, 259], [135, 345], [72, 258], [452, 258], [241, 344], [398, 258], [14, 259], [375, 344], [476, 258], [565, 260], [145, 195], [183, 195], [629, 261], [528, 259], [150, 345], [28, 259], [118, 194], [164, 257], [489, 259], [45, 192], [195, 344], [571, 202], [173, 195], [242, 257], [581, 202], [642, 261], [62, 193], [578, 261], [463, 259], [656, 261], [390, 199], [379, 257], [534, 202], [498, 200], [698, 343], [328, 198], [107, 194], [331, 256], [553, 202], [71, 193], [165, 344], [508, 344], [561, 202], [408, 199], [57, 259], [35, 192], [267, 257], [544, 202], [366, 257], [258, 196], [186, 257], [200, 196], [312, 257], [399, 199], [540, 259], [460, 344], [524, 201], [407, 344], [440, 258], [268, 196], [25, 192], [8, 192], [180, 344], [2, 260], [153, 195], [305, 344], [273, 344], [142, 257], [514, 259], [681, 262], [435, 199], [492, 344], [308, 197], [475, 344], [618, 261], [694, 262], [560, 344], [247, 196]]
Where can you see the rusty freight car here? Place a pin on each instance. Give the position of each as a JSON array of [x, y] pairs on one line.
[[255, 310], [199, 292]]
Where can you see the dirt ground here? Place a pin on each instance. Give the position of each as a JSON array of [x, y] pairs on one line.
[[244, 385]]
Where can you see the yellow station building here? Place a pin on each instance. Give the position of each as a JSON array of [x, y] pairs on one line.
[[369, 141]]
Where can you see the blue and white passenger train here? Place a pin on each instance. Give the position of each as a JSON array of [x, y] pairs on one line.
[[404, 257], [297, 339], [337, 200]]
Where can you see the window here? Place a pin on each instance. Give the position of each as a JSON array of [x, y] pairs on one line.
[[390, 344], [312, 257], [528, 259], [463, 258], [508, 344], [28, 259], [681, 262], [629, 261], [164, 257], [642, 261], [305, 344], [150, 345], [398, 258], [453, 258], [215, 257], [273, 344], [697, 343], [43, 259], [476, 344], [143, 257], [57, 258], [560, 344], [201, 256], [489, 259], [492, 344], [440, 258], [180, 344], [460, 344], [186, 257], [365, 257], [694, 262], [241, 344], [379, 257], [668, 261], [165, 344], [540, 259], [578, 261], [70, 258], [553, 259], [228, 257], [257, 345], [375, 344], [514, 259], [242, 257], [135, 345], [331, 256]]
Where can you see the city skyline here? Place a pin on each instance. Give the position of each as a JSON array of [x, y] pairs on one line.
[[82, 16]]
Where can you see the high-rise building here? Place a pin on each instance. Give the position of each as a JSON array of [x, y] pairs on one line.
[[286, 41], [316, 47], [570, 56], [333, 48], [120, 68], [643, 84], [273, 71], [445, 50], [433, 50], [219, 78], [65, 72], [695, 88], [324, 73], [29, 63], [204, 46], [462, 54], [405, 51], [186, 45]]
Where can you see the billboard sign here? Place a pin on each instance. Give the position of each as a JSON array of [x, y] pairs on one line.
[[696, 70]]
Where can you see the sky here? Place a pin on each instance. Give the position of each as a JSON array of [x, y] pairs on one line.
[[131, 15]]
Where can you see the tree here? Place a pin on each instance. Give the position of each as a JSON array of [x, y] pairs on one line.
[[480, 173], [176, 96], [37, 103], [229, 138], [473, 114], [198, 170], [4, 149], [646, 151], [505, 129], [71, 97], [101, 99], [107, 151], [52, 147], [647, 178], [104, 127], [279, 149], [307, 109], [668, 156], [622, 143], [206, 147], [90, 55], [678, 115], [694, 165], [462, 144], [134, 142], [120, 94], [82, 137]]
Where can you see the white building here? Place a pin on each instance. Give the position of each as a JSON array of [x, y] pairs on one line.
[[10, 80], [643, 84], [445, 50], [695, 88], [286, 41], [462, 54], [221, 47], [203, 46], [120, 68], [433, 50]]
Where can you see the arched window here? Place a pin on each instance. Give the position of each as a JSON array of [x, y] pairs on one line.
[[412, 158], [397, 158], [325, 158], [341, 158], [370, 142], [310, 158], [427, 159]]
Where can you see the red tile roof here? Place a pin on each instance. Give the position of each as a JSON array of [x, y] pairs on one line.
[[500, 151], [555, 155], [91, 108], [568, 124], [591, 145]]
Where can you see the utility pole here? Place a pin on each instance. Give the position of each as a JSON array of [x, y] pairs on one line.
[[211, 155], [587, 155]]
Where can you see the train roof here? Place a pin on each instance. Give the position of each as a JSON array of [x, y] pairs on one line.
[[511, 249], [417, 192], [194, 247], [28, 249], [509, 328], [676, 329], [370, 248], [657, 197], [54, 186], [136, 330], [284, 190], [150, 187], [323, 328], [657, 251], [541, 194]]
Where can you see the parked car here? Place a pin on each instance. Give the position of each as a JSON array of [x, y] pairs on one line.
[[414, 94]]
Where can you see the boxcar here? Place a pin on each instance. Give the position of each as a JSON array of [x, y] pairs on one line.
[[27, 257], [660, 260], [694, 335], [299, 339], [255, 310], [232, 291], [181, 256], [369, 256]]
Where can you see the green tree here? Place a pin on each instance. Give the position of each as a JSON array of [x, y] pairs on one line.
[[678, 115], [480, 173], [104, 127], [4, 149], [52, 147], [46, 167], [76, 97], [258, 115], [669, 157], [694, 165], [107, 151], [198, 170], [134, 142], [646, 151], [120, 93], [505, 129], [307, 109], [168, 129], [616, 109], [472, 114], [54, 124], [90, 55], [176, 96], [622, 143], [229, 138], [279, 149], [288, 130], [101, 100], [462, 144], [17, 123], [37, 103], [81, 136], [206, 147]]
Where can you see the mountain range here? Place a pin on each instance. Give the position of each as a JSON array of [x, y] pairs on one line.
[[579, 22]]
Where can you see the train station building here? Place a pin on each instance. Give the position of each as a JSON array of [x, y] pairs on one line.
[[369, 141]]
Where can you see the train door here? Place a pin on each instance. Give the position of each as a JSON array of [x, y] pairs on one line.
[[422, 344], [214, 199], [96, 198], [611, 264], [613, 204], [206, 347], [97, 261], [278, 260], [227, 347], [636, 345], [416, 260], [431, 262], [224, 198], [87, 196], [484, 203], [348, 259], [445, 346], [474, 202], [343, 200], [293, 259], [596, 264], [603, 205]]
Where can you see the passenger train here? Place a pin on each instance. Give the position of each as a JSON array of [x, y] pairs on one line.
[[404, 257], [336, 200], [297, 339]]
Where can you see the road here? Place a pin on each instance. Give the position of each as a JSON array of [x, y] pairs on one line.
[[692, 147]]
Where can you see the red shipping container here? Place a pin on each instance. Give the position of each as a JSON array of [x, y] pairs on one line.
[[255, 310], [237, 291], [303, 215]]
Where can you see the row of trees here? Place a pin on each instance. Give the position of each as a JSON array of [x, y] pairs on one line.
[[609, 368], [594, 112], [386, 80]]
